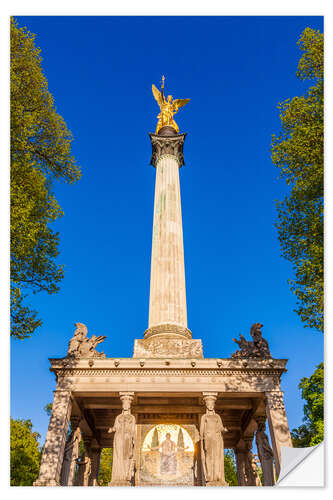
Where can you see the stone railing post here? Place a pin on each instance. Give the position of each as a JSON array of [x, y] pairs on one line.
[[278, 425], [52, 459]]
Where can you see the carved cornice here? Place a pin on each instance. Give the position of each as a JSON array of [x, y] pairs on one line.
[[134, 372], [167, 146]]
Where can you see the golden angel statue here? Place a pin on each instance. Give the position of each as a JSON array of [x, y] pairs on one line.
[[168, 108]]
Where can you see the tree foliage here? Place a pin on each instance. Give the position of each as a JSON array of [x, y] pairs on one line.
[[105, 467], [230, 471], [24, 453], [40, 153], [298, 153], [312, 431]]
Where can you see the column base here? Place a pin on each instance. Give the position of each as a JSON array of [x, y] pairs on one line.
[[217, 483], [46, 482], [120, 483]]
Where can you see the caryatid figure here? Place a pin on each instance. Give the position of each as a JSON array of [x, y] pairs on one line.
[[212, 444], [123, 444], [265, 453]]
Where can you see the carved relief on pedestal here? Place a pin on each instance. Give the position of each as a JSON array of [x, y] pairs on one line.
[[159, 347]]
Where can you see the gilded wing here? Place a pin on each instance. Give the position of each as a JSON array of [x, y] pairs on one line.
[[179, 103], [157, 94]]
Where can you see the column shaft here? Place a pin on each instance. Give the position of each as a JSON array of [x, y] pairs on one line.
[[52, 459], [167, 282]]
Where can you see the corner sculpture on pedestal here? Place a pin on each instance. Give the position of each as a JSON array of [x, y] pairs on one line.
[[168, 412], [257, 349], [80, 346]]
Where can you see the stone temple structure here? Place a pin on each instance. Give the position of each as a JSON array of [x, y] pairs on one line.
[[168, 412]]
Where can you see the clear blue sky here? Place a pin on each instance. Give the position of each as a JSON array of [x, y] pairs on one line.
[[235, 70]]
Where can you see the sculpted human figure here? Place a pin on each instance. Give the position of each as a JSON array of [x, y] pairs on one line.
[[168, 108], [123, 444], [265, 454], [260, 343], [212, 451]]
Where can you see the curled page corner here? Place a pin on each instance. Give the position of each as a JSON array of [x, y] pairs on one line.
[[302, 466]]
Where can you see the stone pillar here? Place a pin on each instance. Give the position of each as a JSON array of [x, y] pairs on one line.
[[278, 425], [94, 453], [71, 453], [167, 304], [84, 468], [265, 452], [52, 459], [241, 454], [251, 470]]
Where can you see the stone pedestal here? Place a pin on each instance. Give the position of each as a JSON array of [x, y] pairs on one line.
[[52, 459], [278, 425]]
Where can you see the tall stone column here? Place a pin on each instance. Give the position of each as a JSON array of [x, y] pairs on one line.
[[167, 304], [278, 425], [265, 452], [52, 459]]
